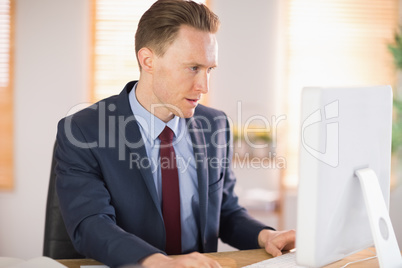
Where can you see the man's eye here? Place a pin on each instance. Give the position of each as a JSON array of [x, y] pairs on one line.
[[194, 68], [210, 69]]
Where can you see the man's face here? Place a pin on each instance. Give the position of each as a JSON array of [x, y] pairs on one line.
[[182, 74]]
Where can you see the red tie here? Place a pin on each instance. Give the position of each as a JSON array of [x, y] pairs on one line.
[[170, 193]]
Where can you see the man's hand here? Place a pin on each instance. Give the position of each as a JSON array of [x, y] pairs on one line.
[[276, 241], [194, 260]]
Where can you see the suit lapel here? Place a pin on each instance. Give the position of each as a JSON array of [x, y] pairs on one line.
[[131, 129], [200, 154]]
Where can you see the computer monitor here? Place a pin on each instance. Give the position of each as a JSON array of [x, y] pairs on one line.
[[344, 130]]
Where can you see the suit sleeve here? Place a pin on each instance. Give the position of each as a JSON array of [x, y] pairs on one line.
[[85, 203], [237, 227]]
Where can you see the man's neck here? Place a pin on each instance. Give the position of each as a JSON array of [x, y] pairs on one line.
[[147, 99]]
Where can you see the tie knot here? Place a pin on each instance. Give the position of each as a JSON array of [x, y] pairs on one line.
[[166, 135]]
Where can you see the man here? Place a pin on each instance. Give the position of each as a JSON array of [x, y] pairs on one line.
[[127, 193]]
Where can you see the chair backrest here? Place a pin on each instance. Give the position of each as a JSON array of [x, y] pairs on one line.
[[57, 243]]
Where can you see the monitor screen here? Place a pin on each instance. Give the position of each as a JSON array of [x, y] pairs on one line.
[[342, 130]]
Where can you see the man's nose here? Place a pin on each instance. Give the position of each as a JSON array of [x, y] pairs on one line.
[[203, 83]]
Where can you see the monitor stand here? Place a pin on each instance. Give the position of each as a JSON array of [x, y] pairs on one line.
[[381, 227]]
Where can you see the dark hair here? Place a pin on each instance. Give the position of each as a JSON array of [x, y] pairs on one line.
[[160, 24]]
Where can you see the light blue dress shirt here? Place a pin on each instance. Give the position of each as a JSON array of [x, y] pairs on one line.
[[150, 127]]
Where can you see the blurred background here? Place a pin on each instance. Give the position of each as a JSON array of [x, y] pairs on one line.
[[57, 56]]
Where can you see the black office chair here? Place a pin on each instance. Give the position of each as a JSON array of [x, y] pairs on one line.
[[57, 243]]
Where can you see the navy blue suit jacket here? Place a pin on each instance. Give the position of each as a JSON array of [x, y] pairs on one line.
[[109, 202]]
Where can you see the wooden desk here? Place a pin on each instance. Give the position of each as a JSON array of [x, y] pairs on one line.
[[234, 259]]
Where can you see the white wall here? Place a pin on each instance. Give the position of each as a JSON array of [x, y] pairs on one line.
[[250, 56], [51, 45]]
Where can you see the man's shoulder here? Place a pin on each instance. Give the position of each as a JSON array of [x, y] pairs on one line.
[[94, 111], [113, 105]]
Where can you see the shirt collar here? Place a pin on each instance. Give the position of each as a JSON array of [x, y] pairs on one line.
[[151, 125]]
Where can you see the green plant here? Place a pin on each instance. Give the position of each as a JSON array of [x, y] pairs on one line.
[[397, 126], [396, 51]]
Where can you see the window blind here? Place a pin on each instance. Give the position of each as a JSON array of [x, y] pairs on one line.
[[6, 100], [115, 64], [335, 43]]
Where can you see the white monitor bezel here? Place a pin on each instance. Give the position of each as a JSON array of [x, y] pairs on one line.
[[363, 116]]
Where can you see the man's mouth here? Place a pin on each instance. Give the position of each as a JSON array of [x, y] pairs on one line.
[[193, 102]]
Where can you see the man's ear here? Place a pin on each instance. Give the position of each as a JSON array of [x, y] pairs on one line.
[[146, 58]]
